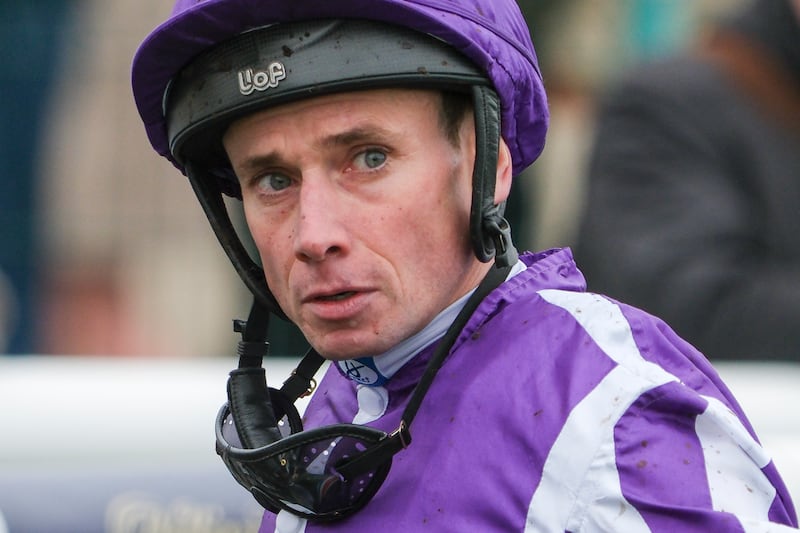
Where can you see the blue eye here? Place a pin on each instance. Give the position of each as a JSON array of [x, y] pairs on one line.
[[274, 182], [372, 158]]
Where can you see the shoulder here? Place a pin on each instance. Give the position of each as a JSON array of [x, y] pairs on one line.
[[649, 424]]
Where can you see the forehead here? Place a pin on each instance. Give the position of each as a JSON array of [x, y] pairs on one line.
[[379, 104]]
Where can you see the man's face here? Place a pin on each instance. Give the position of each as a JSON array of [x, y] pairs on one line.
[[359, 206]]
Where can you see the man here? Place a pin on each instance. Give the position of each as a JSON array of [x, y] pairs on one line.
[[373, 145], [693, 187]]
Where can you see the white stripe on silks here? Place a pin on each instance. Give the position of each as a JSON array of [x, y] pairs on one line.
[[590, 425], [730, 424], [611, 512], [737, 485], [562, 497], [287, 522]]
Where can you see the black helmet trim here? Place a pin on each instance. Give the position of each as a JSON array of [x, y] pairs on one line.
[[278, 64]]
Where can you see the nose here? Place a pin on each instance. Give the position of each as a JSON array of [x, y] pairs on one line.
[[321, 232]]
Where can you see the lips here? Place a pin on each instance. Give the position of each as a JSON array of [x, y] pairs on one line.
[[336, 297], [330, 296], [337, 304]]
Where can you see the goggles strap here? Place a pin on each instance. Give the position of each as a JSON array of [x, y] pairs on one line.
[[301, 383], [491, 281], [254, 346], [401, 437]]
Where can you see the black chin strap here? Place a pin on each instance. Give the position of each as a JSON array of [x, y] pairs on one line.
[[206, 187], [490, 232]]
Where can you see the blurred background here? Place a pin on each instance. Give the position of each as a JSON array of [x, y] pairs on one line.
[[104, 249], [107, 260]]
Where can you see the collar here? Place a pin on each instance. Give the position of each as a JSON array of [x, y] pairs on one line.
[[375, 371]]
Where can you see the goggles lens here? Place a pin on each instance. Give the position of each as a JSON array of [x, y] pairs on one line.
[[301, 472]]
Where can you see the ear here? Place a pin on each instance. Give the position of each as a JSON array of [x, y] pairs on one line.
[[504, 176]]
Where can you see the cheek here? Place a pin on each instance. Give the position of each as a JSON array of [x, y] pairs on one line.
[[450, 210], [434, 236]]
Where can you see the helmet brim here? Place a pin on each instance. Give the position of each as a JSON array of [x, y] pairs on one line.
[[497, 42]]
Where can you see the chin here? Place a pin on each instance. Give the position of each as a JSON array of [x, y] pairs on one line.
[[342, 349]]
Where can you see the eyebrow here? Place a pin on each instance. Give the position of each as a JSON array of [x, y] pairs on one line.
[[358, 134], [355, 135], [260, 161]]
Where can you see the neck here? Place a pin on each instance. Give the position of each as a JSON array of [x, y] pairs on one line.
[[377, 370]]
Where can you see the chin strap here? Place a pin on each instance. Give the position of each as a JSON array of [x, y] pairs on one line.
[[255, 407], [207, 188], [490, 232]]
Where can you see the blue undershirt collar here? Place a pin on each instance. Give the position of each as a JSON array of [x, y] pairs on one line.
[[375, 371]]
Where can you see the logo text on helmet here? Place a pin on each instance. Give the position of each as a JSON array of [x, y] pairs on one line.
[[260, 80]]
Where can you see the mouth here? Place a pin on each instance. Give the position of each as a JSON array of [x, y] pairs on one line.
[[337, 305], [339, 296]]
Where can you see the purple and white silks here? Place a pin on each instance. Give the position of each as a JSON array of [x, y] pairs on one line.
[[561, 410]]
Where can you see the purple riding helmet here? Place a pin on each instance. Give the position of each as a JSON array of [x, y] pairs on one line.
[[214, 61]]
